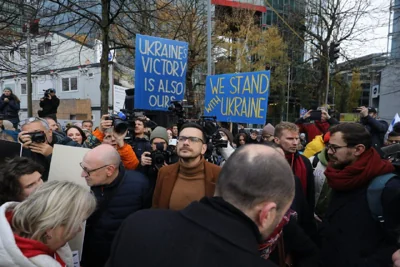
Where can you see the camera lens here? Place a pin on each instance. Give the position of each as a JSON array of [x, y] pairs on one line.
[[120, 127]]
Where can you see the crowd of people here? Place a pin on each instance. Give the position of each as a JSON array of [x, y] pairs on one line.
[[316, 192]]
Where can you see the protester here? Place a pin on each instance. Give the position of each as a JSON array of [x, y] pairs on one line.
[[287, 137], [87, 125], [140, 143], [8, 128], [49, 104], [318, 127], [119, 193], [253, 137], [377, 128], [41, 148], [224, 230], [76, 134], [393, 138], [169, 132], [350, 235], [36, 231], [241, 139], [52, 124], [316, 145], [19, 177], [268, 133], [175, 131], [227, 151], [9, 107], [189, 179]]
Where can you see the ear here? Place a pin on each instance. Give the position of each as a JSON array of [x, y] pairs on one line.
[[49, 233], [276, 140], [266, 214], [359, 150], [110, 169], [203, 149]]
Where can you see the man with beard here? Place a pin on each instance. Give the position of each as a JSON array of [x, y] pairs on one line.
[[191, 178], [253, 192], [350, 235]]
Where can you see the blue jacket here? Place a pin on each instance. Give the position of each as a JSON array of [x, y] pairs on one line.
[[377, 129], [140, 145], [132, 194]]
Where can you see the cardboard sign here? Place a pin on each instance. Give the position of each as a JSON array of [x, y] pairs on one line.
[[240, 97], [160, 72], [65, 167]]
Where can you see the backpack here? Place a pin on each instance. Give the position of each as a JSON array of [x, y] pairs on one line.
[[374, 195]]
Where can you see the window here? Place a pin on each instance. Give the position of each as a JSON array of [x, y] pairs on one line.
[[23, 89], [44, 48], [22, 52], [69, 84]]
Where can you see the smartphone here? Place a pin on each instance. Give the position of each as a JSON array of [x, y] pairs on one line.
[[315, 115], [356, 110]]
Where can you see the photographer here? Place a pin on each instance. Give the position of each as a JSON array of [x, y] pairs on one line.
[[319, 126], [107, 135], [38, 140], [49, 104], [159, 156], [9, 107], [377, 128]]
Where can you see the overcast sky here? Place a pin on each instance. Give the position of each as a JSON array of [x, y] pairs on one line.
[[376, 36]]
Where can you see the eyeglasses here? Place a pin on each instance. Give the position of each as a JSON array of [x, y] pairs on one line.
[[192, 139], [33, 119], [265, 137], [91, 171], [334, 148]]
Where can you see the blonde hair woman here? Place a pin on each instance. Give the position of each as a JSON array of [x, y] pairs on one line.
[[36, 231]]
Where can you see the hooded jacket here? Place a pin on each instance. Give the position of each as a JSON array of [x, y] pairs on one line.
[[11, 255], [9, 109]]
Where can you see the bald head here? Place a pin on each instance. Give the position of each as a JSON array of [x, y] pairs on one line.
[[254, 174], [104, 154]]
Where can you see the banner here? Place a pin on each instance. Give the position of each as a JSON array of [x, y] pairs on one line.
[[160, 72], [241, 97]]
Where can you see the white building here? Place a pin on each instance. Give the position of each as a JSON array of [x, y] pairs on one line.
[[65, 64]]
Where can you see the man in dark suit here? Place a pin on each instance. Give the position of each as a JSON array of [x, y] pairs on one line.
[[254, 190]]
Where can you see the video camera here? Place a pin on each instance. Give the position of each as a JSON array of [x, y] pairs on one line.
[[119, 121], [209, 123]]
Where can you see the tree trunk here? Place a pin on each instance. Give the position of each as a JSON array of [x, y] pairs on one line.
[[324, 75], [189, 90], [105, 77]]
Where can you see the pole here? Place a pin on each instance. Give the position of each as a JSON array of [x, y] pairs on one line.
[[327, 81], [209, 58], [288, 95], [29, 71]]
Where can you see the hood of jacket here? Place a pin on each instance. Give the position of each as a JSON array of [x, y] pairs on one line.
[[11, 255]]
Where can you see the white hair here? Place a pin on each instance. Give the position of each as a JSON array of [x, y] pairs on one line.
[[54, 204]]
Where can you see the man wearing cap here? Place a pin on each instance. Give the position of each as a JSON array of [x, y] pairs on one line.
[[49, 104], [377, 128], [268, 133], [158, 141]]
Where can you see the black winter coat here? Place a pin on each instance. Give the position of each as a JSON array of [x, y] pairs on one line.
[[9, 110], [49, 106], [377, 129], [140, 145], [351, 237], [209, 233], [131, 195]]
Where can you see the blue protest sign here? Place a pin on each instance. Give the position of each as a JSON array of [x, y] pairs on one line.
[[160, 72], [241, 97]]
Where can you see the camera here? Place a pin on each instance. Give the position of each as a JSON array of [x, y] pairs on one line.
[[209, 123], [392, 152], [119, 122], [37, 137], [159, 156], [47, 92]]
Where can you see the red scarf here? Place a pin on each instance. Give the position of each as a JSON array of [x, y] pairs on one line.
[[299, 169], [31, 248], [269, 245], [360, 173]]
